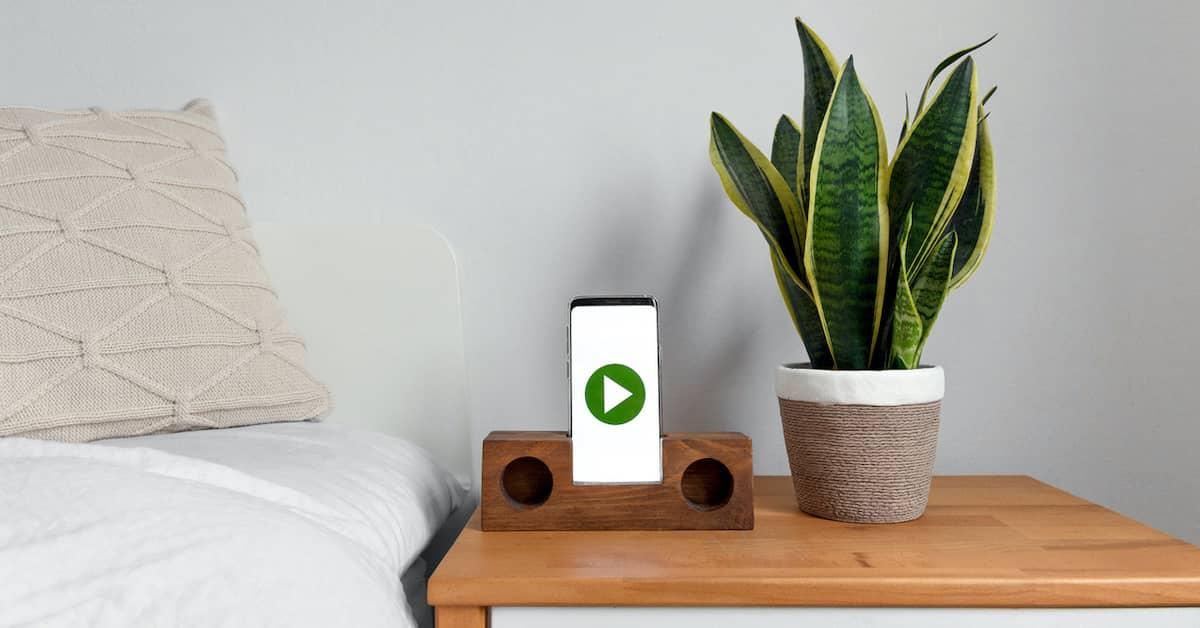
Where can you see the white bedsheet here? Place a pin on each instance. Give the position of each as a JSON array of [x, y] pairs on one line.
[[290, 524]]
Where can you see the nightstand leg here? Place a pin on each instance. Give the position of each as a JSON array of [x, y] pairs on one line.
[[462, 616]]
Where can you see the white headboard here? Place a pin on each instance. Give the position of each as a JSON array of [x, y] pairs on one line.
[[378, 306]]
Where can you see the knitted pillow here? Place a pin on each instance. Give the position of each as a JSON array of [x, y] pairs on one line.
[[132, 298]]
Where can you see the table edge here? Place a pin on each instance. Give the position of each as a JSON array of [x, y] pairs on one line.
[[820, 591]]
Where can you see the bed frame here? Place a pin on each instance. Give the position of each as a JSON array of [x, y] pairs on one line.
[[378, 306]]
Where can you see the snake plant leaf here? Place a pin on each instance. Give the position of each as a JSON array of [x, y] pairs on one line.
[[904, 127], [972, 220], [757, 188], [933, 162], [846, 243], [804, 315], [930, 286], [785, 154], [987, 96], [919, 297], [820, 75], [947, 62], [906, 322]]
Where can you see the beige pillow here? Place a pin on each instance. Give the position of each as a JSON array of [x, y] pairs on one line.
[[132, 297]]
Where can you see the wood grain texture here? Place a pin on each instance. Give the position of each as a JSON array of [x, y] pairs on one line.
[[462, 617], [985, 541], [567, 506]]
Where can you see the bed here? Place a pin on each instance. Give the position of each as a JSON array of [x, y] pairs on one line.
[[336, 522]]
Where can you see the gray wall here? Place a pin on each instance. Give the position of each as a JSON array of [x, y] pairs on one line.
[[562, 148]]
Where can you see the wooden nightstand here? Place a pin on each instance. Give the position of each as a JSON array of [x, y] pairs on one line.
[[990, 548]]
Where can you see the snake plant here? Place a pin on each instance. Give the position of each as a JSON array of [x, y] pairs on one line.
[[865, 248]]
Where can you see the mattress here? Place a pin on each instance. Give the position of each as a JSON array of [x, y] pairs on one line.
[[287, 524]]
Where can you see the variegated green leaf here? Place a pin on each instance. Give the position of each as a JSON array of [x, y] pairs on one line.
[[906, 322], [931, 166], [757, 188], [785, 155], [987, 96], [930, 285], [820, 75], [972, 220], [847, 238], [947, 62], [804, 315]]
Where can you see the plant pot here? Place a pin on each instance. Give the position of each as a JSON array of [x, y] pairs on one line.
[[860, 444]]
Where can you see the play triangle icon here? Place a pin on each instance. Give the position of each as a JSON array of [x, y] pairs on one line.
[[614, 394]]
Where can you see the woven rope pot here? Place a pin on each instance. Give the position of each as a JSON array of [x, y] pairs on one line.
[[860, 444]]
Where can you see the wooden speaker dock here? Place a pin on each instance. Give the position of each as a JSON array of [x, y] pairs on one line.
[[707, 485]]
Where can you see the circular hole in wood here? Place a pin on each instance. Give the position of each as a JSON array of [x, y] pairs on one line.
[[527, 482], [707, 484]]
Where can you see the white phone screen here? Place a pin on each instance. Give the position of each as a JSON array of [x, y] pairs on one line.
[[615, 425]]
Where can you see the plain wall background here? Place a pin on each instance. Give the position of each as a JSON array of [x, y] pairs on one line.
[[562, 148]]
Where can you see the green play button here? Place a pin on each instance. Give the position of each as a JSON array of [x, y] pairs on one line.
[[615, 394]]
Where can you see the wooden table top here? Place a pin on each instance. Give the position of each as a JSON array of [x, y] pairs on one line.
[[985, 541]]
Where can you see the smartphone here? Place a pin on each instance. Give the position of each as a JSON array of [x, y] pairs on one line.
[[613, 359]]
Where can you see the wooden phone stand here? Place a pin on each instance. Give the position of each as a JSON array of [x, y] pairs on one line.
[[707, 485]]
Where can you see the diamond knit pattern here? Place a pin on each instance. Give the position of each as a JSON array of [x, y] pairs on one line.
[[132, 297]]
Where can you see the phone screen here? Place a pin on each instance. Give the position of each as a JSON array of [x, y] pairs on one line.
[[615, 425]]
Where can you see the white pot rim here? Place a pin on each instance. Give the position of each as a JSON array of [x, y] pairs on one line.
[[898, 387]]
